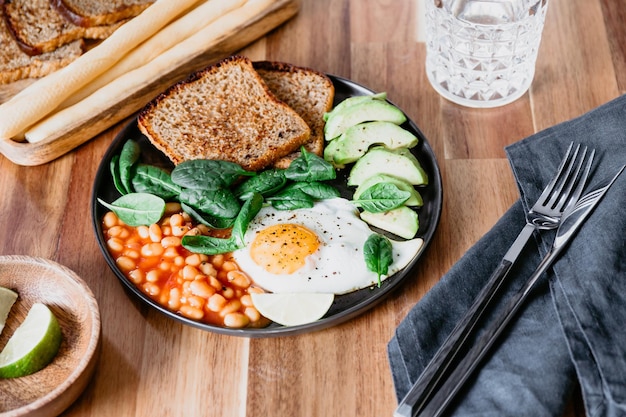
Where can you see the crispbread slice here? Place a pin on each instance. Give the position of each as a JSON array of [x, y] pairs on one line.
[[310, 93], [224, 112], [89, 13], [38, 27], [16, 65]]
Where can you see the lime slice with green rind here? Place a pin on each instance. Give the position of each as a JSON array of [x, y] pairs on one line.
[[33, 345], [7, 299]]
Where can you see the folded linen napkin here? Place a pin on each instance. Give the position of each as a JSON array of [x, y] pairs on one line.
[[572, 326]]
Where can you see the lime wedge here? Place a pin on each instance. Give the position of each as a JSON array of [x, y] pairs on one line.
[[292, 309], [33, 345], [7, 298]]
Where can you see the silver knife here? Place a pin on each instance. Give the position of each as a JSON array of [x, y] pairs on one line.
[[573, 218]]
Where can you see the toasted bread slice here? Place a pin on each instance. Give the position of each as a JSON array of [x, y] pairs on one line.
[[310, 93], [16, 65], [38, 27], [223, 112], [89, 13]]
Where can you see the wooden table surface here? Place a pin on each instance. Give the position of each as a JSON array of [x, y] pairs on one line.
[[153, 366]]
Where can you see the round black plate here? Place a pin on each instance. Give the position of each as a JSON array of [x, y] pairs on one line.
[[345, 306]]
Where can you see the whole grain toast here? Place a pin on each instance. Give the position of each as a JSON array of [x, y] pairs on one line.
[[89, 13], [38, 27], [16, 65], [310, 93], [223, 112]]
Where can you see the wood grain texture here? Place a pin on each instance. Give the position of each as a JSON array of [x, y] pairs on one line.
[[150, 365]]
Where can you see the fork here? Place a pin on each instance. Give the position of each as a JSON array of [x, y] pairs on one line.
[[561, 192]]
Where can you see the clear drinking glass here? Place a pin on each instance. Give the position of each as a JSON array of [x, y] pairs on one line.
[[482, 53]]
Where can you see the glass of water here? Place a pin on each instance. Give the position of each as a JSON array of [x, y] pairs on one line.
[[482, 53]]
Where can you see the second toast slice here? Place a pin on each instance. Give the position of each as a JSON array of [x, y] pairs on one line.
[[310, 93]]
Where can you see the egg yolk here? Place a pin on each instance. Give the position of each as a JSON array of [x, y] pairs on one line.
[[283, 248]]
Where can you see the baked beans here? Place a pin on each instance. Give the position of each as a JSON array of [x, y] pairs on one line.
[[209, 289]]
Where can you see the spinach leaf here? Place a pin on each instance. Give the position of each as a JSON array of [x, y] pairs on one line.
[[291, 199], [209, 245], [128, 157], [137, 209], [207, 220], [204, 174], [378, 255], [154, 180], [310, 167], [214, 202], [381, 197], [317, 190], [114, 167], [249, 209], [265, 183]]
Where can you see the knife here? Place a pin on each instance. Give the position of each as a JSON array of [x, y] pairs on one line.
[[573, 219]]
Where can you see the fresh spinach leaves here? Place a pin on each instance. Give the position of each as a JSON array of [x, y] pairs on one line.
[[212, 191], [299, 195], [381, 197], [265, 183], [137, 209], [310, 167], [316, 189], [378, 254], [206, 219], [114, 167], [291, 198], [250, 208], [154, 180], [128, 157], [218, 202], [204, 174], [209, 245], [306, 174]]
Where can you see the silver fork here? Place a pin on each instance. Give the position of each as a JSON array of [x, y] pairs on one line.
[[561, 192]]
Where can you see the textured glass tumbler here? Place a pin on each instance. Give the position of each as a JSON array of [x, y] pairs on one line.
[[482, 53]]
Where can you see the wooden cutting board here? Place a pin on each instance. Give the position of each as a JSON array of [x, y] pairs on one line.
[[129, 102]]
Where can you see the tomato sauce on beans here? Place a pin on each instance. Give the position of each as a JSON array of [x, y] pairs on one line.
[[210, 289]]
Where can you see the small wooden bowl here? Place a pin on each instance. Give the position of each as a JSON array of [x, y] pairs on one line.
[[51, 390]]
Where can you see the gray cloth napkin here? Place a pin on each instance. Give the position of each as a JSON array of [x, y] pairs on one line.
[[574, 324]]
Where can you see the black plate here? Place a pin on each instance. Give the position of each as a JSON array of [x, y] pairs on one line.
[[345, 306]]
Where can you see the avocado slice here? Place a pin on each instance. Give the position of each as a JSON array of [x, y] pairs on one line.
[[414, 200], [351, 101], [329, 152], [357, 139], [365, 111], [401, 221], [400, 163]]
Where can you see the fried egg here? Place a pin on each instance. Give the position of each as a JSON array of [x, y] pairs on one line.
[[314, 250]]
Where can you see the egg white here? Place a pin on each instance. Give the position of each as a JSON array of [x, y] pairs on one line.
[[338, 266]]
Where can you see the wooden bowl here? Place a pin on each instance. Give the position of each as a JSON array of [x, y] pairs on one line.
[[52, 389]]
